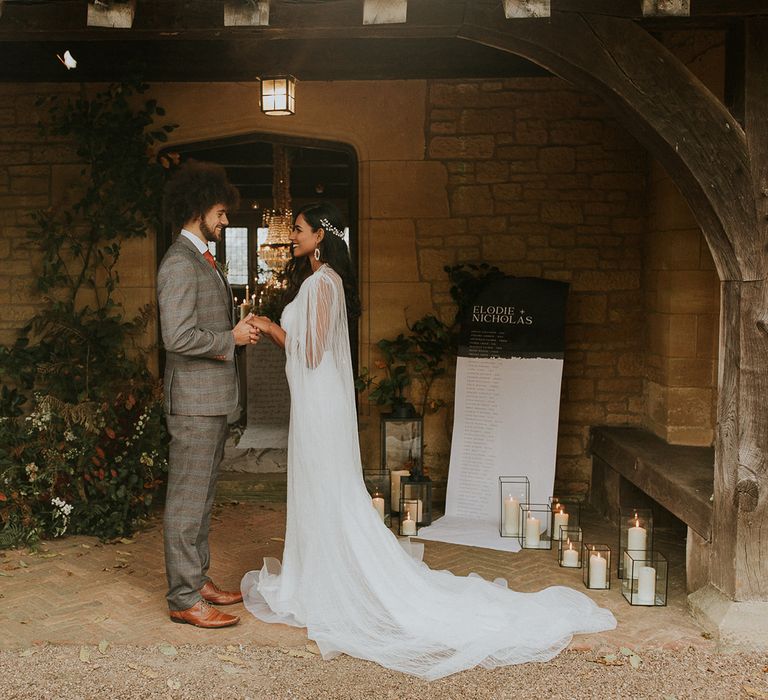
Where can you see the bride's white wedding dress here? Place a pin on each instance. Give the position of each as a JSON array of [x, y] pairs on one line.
[[345, 576]]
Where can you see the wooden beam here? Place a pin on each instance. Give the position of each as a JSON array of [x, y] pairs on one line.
[[735, 70], [669, 110], [634, 8], [112, 14], [385, 11], [238, 13], [740, 564], [516, 9], [666, 8]]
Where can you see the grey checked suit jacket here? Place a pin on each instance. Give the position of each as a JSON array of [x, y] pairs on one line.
[[196, 320]]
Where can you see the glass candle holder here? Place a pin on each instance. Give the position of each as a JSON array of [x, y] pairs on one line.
[[377, 483], [565, 513], [569, 548], [534, 526], [596, 565], [513, 492], [418, 491], [635, 535], [646, 579]]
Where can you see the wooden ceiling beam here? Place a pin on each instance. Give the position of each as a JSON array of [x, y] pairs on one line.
[[633, 9], [385, 11], [204, 19], [681, 123]]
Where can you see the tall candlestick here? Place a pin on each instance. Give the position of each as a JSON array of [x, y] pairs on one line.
[[511, 524], [532, 535], [598, 571], [247, 292]]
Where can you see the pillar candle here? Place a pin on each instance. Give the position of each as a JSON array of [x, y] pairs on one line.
[[532, 536], [396, 475], [243, 310], [598, 571], [378, 504], [561, 520], [636, 538], [511, 522], [570, 556], [646, 585], [414, 509], [409, 525]]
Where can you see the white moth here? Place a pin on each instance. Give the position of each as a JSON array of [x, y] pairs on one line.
[[68, 60]]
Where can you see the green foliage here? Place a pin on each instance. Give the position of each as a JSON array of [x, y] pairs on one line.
[[407, 360], [80, 413], [467, 280], [419, 357]]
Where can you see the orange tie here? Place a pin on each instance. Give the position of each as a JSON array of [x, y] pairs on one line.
[[207, 255]]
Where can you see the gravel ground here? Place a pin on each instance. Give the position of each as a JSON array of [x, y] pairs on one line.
[[177, 673]]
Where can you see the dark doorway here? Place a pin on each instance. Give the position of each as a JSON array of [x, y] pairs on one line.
[[319, 171]]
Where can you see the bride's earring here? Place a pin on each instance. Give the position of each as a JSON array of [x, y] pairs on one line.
[[317, 254]]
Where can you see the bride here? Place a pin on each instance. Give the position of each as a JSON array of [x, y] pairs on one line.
[[345, 576]]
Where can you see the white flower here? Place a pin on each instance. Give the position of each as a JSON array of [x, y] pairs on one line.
[[31, 470], [69, 436]]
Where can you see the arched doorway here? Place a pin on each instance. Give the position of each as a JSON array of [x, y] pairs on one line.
[[317, 171]]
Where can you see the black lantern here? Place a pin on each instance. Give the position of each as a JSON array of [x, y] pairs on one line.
[[416, 498]]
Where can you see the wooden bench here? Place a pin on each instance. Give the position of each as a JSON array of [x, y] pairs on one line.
[[627, 461]]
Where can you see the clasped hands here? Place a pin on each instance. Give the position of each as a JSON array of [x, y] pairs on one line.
[[248, 331]]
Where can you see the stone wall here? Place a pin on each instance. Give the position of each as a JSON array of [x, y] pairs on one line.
[[682, 299], [530, 175], [32, 173], [682, 291], [38, 173], [543, 182]]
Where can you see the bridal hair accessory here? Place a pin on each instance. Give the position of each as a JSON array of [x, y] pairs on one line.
[[328, 226], [317, 254]]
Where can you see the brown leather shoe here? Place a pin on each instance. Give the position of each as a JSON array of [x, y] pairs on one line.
[[214, 595], [203, 615]]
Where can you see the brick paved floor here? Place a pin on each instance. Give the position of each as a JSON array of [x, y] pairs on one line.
[[78, 591]]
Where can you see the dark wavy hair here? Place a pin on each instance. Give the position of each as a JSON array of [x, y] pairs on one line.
[[333, 250], [194, 188]]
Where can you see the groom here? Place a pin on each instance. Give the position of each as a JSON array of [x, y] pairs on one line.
[[201, 384]]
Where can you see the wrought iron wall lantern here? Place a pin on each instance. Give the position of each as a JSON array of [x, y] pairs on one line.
[[278, 95]]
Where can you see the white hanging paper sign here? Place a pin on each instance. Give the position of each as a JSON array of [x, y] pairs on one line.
[[508, 377]]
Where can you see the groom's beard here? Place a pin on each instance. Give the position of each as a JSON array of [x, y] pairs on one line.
[[212, 235]]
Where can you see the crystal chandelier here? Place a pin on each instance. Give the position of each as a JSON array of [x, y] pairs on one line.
[[276, 250]]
